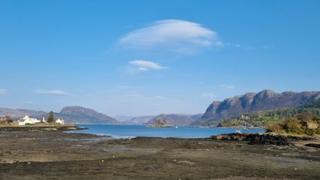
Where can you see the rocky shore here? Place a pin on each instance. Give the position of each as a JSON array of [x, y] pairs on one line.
[[265, 139], [41, 128], [58, 155]]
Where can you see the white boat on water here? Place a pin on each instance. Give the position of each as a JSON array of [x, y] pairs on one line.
[[238, 131]]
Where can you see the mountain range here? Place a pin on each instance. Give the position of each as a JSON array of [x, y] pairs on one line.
[[218, 110], [18, 113], [255, 102], [71, 114]]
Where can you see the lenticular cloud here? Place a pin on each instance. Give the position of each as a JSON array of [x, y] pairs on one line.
[[171, 34]]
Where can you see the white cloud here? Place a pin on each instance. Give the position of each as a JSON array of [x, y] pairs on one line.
[[227, 86], [144, 65], [55, 92], [172, 35], [3, 92]]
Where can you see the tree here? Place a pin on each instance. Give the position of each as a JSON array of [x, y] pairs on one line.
[[50, 117]]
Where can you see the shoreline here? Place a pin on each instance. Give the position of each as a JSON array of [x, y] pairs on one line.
[[59, 155], [41, 128]]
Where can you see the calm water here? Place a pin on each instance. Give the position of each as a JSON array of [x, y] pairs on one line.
[[129, 131]]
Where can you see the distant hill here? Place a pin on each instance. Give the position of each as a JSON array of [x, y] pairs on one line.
[[254, 102], [18, 113], [263, 118], [133, 120], [140, 120], [175, 119], [71, 114], [81, 115], [273, 119]]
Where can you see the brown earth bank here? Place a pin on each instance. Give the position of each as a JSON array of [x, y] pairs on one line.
[[56, 155]]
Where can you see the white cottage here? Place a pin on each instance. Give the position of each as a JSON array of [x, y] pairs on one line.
[[43, 120], [60, 121], [28, 120]]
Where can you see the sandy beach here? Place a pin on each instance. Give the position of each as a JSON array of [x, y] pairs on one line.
[[58, 155]]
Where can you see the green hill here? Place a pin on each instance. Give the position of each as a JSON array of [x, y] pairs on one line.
[[263, 118]]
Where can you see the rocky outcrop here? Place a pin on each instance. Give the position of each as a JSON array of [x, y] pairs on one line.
[[160, 123], [263, 139], [254, 102], [140, 120], [175, 119]]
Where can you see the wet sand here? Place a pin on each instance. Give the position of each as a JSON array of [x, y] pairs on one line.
[[56, 155]]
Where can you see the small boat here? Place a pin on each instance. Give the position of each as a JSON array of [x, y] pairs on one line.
[[238, 131]]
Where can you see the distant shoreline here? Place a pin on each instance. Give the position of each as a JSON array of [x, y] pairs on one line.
[[41, 127]]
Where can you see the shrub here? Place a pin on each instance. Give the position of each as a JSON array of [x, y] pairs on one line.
[[292, 125], [50, 117], [275, 127], [310, 132], [305, 116]]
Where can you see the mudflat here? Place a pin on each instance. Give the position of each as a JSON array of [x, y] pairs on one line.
[[56, 155]]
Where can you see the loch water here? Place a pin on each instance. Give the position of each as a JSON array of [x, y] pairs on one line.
[[131, 131]]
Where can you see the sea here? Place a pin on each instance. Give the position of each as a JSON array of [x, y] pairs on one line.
[[131, 131]]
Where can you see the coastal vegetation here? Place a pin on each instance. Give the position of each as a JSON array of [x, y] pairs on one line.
[[50, 118], [302, 120], [304, 123]]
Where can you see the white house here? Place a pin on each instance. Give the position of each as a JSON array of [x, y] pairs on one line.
[[27, 120], [60, 121], [43, 120]]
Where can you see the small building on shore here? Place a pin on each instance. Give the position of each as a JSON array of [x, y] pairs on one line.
[[60, 121], [28, 120]]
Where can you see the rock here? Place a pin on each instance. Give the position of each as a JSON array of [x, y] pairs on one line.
[[254, 138], [175, 119], [254, 102], [313, 145]]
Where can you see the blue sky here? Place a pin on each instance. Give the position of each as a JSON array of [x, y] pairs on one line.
[[150, 57]]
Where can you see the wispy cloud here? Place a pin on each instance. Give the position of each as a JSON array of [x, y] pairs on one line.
[[55, 92], [143, 65], [172, 35], [3, 92], [227, 86]]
